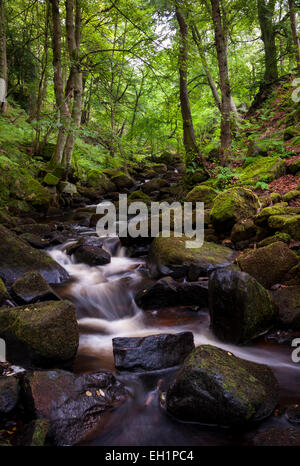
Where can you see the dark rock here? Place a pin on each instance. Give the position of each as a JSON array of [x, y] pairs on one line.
[[17, 258], [74, 404], [293, 414], [153, 352], [34, 434], [216, 387], [288, 302], [193, 294], [163, 293], [90, 251], [35, 240], [32, 287], [240, 308], [268, 265], [278, 437], [40, 335], [9, 394]]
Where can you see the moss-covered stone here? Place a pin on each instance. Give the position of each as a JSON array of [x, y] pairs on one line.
[[169, 256], [3, 292], [288, 302], [122, 180], [154, 185], [138, 196], [290, 133], [264, 214], [50, 180], [294, 167], [275, 198], [240, 308], [216, 387], [202, 193], [265, 169], [6, 219], [32, 287], [291, 195], [283, 237], [268, 264], [231, 206], [40, 334], [289, 224], [17, 258], [243, 231]]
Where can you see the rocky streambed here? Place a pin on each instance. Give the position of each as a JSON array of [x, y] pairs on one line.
[[138, 342]]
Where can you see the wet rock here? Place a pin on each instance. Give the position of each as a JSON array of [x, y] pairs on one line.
[[9, 394], [17, 258], [193, 294], [293, 414], [278, 437], [154, 185], [35, 240], [288, 302], [73, 404], [42, 230], [32, 287], [153, 352], [40, 335], [268, 265], [163, 293], [216, 387], [231, 206], [169, 256], [240, 308], [89, 251]]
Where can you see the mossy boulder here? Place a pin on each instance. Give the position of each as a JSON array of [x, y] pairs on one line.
[[288, 301], [100, 182], [283, 237], [42, 334], [294, 167], [138, 196], [169, 256], [265, 169], [231, 206], [159, 168], [216, 387], [17, 258], [275, 198], [50, 180], [289, 224], [154, 185], [269, 264], [202, 194], [123, 181], [240, 308], [291, 195], [263, 216], [32, 287], [243, 231], [3, 292]]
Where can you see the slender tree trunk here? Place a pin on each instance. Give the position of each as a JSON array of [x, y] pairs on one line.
[[224, 81], [189, 140], [293, 19], [265, 15], [75, 80], [3, 59], [61, 102]]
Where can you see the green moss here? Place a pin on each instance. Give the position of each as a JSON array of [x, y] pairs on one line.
[[51, 180], [202, 193], [283, 237], [3, 291], [264, 214], [265, 169], [289, 224], [275, 198], [291, 195], [138, 196]]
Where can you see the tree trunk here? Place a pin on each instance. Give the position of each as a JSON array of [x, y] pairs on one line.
[[189, 140], [265, 15], [3, 59], [61, 102], [292, 11], [75, 80], [224, 81]]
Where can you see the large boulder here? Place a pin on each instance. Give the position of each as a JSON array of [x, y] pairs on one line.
[[169, 256], [240, 308], [32, 287], [40, 335], [73, 404], [17, 258], [288, 302], [89, 251], [202, 193], [152, 353], [231, 206], [122, 181], [216, 387], [265, 169], [154, 185], [289, 224], [269, 264]]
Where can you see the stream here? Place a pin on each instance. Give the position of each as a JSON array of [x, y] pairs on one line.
[[104, 297]]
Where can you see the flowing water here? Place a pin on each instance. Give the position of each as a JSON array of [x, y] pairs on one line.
[[104, 297]]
